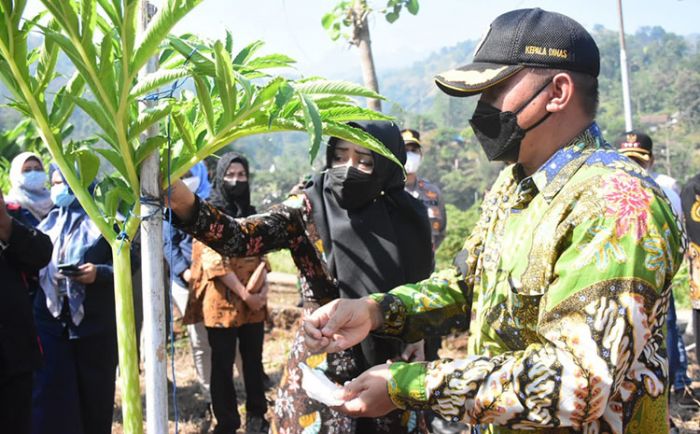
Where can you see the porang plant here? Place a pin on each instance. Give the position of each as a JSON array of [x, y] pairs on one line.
[[234, 96]]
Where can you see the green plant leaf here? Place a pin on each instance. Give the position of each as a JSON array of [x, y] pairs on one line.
[[151, 144], [157, 79], [111, 13], [352, 113], [204, 97], [285, 92], [62, 107], [146, 119], [327, 20], [88, 165], [225, 83], [194, 56], [413, 6], [106, 67], [268, 62], [246, 53], [335, 88], [115, 159], [47, 64], [97, 113], [186, 130], [229, 42], [314, 126], [359, 137], [165, 19]]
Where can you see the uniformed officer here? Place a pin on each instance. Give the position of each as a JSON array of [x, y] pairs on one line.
[[422, 189]]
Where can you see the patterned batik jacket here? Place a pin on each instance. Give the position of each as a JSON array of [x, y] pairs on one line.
[[570, 270]]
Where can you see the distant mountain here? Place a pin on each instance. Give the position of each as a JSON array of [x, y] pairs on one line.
[[413, 87]]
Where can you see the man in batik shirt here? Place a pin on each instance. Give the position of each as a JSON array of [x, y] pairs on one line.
[[569, 267]]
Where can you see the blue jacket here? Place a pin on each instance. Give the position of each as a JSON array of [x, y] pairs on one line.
[[181, 245]]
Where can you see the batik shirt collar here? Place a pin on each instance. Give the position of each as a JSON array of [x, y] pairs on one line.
[[556, 172]]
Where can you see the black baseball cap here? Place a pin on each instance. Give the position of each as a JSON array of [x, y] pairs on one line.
[[635, 144], [519, 39]]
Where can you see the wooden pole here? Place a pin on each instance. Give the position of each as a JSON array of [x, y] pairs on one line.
[[155, 345]]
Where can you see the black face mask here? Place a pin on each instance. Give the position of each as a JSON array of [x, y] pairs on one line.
[[498, 132], [352, 187], [235, 189]]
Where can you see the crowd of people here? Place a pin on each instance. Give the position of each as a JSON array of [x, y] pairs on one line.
[[564, 285]]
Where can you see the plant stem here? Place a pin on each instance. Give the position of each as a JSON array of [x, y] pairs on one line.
[[126, 338]]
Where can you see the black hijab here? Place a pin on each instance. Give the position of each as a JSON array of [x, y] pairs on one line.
[[235, 206], [380, 246]]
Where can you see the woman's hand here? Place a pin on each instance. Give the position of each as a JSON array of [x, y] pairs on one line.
[[180, 200], [88, 274], [255, 301]]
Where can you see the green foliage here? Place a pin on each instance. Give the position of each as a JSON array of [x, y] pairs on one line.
[[459, 226], [235, 98], [342, 18]]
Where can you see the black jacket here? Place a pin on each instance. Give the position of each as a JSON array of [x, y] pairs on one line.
[[27, 252]]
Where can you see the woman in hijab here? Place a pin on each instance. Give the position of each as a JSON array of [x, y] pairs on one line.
[[177, 246], [229, 295], [353, 231], [28, 195], [74, 310]]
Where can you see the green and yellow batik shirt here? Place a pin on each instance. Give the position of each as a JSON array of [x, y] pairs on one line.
[[570, 270]]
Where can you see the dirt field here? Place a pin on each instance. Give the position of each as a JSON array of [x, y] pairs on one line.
[[193, 417]]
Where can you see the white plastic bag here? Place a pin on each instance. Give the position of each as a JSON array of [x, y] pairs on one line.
[[319, 387]]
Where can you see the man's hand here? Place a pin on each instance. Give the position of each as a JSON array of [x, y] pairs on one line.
[[341, 324], [181, 200], [5, 221], [367, 395], [88, 274], [414, 352]]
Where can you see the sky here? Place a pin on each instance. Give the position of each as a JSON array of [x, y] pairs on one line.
[[293, 27]]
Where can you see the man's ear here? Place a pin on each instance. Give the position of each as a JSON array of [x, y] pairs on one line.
[[562, 92]]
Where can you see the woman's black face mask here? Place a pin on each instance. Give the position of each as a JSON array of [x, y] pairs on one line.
[[352, 187], [235, 189], [498, 132]]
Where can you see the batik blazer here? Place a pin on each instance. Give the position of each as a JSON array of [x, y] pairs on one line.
[[570, 272]]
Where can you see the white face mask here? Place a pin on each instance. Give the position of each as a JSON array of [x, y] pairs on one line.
[[192, 183], [413, 160]]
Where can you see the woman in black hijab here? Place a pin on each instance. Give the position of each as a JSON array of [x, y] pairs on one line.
[[353, 231]]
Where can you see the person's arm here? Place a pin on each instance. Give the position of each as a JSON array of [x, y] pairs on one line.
[[443, 220], [29, 249], [601, 313], [181, 255], [217, 268], [250, 236]]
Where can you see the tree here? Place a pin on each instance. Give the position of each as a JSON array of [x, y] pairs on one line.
[[352, 15], [235, 97]]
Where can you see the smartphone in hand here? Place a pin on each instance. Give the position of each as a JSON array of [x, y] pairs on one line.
[[69, 269]]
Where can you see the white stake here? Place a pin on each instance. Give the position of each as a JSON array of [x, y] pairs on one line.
[[155, 345]]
